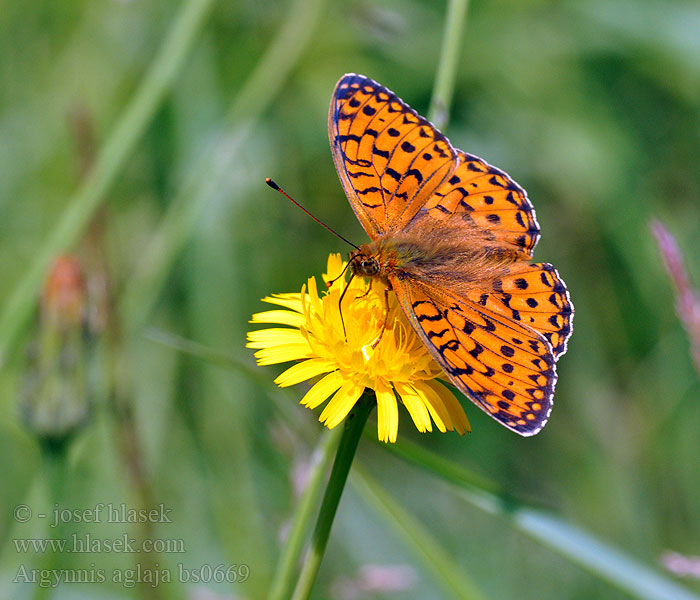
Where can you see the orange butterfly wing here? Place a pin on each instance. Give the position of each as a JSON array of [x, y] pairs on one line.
[[504, 367], [390, 159], [478, 195]]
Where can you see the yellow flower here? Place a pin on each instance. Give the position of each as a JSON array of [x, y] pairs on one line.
[[399, 364]]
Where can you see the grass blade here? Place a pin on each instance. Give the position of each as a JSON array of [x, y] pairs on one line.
[[109, 162]]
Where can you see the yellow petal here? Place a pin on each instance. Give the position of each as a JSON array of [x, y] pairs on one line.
[[290, 301], [279, 317], [303, 371], [387, 413], [320, 391], [334, 267], [276, 336], [453, 406], [340, 404], [280, 354], [313, 296], [415, 406], [435, 405]]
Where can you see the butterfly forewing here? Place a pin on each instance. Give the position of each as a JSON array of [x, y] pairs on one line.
[[389, 159]]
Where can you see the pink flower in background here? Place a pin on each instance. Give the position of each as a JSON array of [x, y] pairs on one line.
[[687, 299]]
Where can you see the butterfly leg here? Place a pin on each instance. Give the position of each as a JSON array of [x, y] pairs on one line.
[[340, 305], [386, 318], [367, 291]]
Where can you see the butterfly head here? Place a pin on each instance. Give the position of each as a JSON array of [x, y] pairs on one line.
[[364, 265], [382, 258]]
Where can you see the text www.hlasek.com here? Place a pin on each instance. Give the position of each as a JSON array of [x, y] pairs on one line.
[[84, 544]]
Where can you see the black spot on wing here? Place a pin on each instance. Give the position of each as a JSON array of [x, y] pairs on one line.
[[415, 173], [449, 345], [427, 317], [393, 174], [476, 350], [369, 190], [433, 334]]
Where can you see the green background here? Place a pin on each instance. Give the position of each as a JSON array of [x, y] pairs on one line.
[[592, 107]]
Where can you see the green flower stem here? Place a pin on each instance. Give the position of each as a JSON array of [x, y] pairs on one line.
[[455, 19], [55, 467], [452, 578], [352, 431], [109, 162], [284, 574]]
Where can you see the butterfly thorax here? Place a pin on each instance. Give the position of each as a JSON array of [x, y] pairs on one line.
[[452, 262]]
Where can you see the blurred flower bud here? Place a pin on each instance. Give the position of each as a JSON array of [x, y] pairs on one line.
[[54, 399], [63, 302]]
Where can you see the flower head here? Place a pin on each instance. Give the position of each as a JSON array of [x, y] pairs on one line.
[[55, 397], [337, 346]]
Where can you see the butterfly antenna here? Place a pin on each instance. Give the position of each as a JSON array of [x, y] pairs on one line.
[[274, 186], [345, 268]]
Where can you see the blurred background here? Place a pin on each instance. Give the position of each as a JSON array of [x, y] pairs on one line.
[[136, 136]]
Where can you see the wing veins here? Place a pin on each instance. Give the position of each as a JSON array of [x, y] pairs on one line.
[[477, 308], [372, 162], [456, 335], [380, 177], [520, 400], [420, 187], [489, 350]]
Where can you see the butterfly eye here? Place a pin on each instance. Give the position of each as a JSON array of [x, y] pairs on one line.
[[369, 267]]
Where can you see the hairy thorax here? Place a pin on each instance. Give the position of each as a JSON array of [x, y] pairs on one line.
[[449, 259]]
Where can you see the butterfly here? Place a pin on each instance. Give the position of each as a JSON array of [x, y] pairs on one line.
[[453, 237]]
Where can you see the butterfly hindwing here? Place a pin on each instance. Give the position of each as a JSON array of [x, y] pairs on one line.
[[505, 368], [390, 159], [484, 197]]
